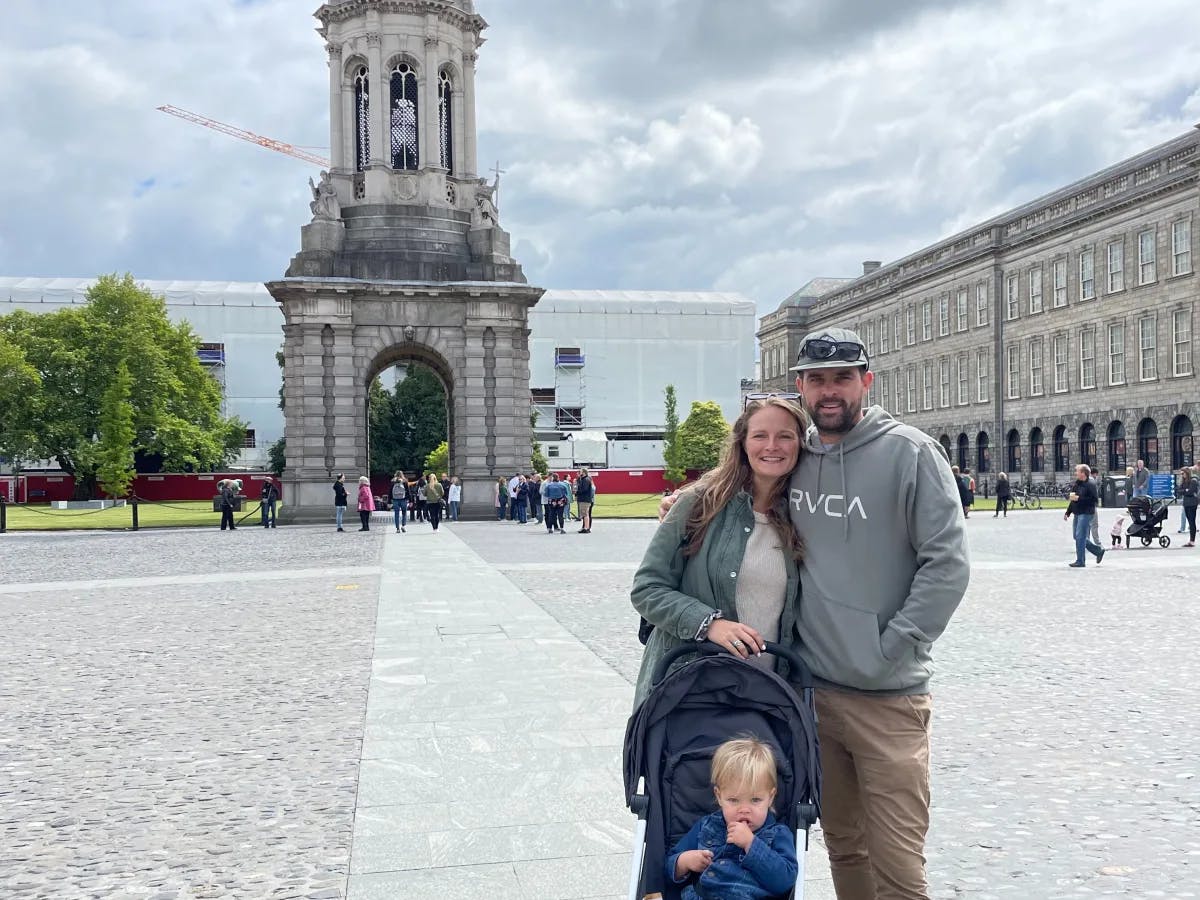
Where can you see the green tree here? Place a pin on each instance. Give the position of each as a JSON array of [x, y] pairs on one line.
[[415, 425], [702, 435], [176, 404], [114, 447], [277, 456], [439, 460], [19, 402], [537, 459], [675, 473]]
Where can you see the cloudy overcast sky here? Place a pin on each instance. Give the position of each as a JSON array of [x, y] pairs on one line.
[[741, 145]]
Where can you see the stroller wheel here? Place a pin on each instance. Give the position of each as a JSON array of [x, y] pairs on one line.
[[1164, 541], [1147, 541]]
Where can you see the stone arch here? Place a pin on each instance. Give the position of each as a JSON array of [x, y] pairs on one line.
[[1012, 452], [409, 350], [403, 56], [351, 66], [1062, 450], [1147, 443], [1037, 450], [944, 440], [983, 453], [1087, 445], [964, 451], [1118, 459], [1181, 442]]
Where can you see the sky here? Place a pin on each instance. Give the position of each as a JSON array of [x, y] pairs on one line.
[[733, 145]]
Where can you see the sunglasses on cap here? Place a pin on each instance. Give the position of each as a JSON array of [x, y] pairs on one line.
[[769, 395], [846, 351]]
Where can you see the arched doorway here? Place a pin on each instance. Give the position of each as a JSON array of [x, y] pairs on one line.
[[1012, 452], [944, 440], [409, 402], [1147, 435], [964, 451], [983, 453], [1181, 442], [1037, 451], [1062, 450], [1087, 445], [1117, 460]]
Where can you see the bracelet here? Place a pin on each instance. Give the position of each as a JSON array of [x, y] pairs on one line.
[[702, 631]]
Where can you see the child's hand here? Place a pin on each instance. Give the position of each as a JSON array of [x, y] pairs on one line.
[[692, 861], [739, 833]]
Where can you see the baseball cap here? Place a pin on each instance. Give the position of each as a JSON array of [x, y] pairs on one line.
[[831, 348]]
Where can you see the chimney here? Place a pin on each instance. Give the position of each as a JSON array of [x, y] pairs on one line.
[[870, 266]]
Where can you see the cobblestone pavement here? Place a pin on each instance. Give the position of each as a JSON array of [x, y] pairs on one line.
[[182, 740], [1065, 727]]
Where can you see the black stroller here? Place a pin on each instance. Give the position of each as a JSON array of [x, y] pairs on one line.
[[673, 734], [1146, 518]]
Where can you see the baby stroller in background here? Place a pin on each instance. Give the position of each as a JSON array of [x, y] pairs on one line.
[[671, 738], [1146, 518]]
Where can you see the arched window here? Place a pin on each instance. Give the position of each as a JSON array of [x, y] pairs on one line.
[[964, 451], [1037, 451], [405, 132], [1116, 448], [1087, 445], [944, 440], [1148, 443], [1012, 452], [362, 118], [983, 454], [445, 123], [1062, 450], [1181, 442]]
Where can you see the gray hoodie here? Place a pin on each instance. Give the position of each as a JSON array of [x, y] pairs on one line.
[[885, 555]]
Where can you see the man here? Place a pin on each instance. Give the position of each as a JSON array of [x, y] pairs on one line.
[[1141, 479], [513, 484], [885, 568], [270, 496], [554, 498], [1083, 499], [585, 495], [535, 497]]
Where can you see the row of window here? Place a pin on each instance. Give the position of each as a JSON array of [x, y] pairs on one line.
[[404, 123], [900, 328], [899, 389]]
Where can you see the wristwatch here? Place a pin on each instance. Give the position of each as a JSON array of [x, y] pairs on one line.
[[702, 632]]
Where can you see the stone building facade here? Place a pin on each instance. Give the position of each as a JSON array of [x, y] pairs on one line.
[[1059, 332]]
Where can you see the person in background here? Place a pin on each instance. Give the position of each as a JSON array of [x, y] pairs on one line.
[[454, 498], [520, 500], [569, 484], [1003, 494], [1183, 524], [366, 502], [1083, 500], [339, 499], [433, 500], [534, 496], [1118, 528], [227, 488], [400, 501], [513, 484], [554, 498], [500, 489], [269, 497], [1190, 491], [444, 481], [423, 497], [585, 495], [1095, 531], [1141, 479]]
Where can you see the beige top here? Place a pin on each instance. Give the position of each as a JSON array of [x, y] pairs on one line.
[[762, 585]]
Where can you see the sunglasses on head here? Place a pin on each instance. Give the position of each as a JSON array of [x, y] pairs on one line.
[[820, 348], [769, 395]]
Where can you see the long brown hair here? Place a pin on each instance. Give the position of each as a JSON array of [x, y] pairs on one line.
[[717, 487]]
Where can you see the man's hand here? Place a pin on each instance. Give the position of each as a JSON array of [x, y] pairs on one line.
[[739, 833], [664, 505], [692, 861]]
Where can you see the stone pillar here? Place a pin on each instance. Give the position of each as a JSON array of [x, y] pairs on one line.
[[471, 165], [337, 147], [381, 145], [431, 146], [350, 134], [458, 128]]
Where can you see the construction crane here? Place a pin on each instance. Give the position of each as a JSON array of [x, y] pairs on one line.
[[269, 143]]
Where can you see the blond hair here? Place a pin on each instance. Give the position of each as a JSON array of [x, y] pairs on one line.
[[733, 473], [744, 762]]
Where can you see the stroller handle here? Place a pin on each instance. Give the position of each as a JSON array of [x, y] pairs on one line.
[[707, 648]]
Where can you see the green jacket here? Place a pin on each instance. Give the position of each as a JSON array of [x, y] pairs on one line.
[[676, 594]]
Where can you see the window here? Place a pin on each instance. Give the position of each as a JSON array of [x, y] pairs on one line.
[[1037, 451], [896, 332], [568, 417], [910, 325], [1087, 274], [1035, 367], [362, 119], [885, 337], [552, 450], [912, 388], [927, 320], [1116, 266], [1181, 340], [1062, 450], [1035, 289], [981, 376], [403, 125], [1060, 283], [1181, 247], [981, 304], [927, 386], [541, 396], [964, 374], [1116, 353], [1012, 296], [944, 315], [944, 379], [568, 357], [445, 120], [869, 337], [1013, 372], [1061, 365], [960, 308], [885, 395], [248, 441], [1147, 258], [1147, 348], [1087, 358], [1116, 447]]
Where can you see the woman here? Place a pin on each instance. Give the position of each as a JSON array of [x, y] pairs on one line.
[[1003, 494], [339, 499], [724, 564], [433, 500], [501, 498], [228, 489], [400, 501], [1190, 492], [454, 498], [366, 502], [422, 501]]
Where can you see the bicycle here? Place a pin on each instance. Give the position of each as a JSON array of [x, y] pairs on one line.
[[1027, 499]]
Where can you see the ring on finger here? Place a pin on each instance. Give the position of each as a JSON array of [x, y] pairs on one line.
[[738, 643]]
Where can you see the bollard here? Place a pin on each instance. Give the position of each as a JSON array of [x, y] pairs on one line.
[[133, 503], [3, 514]]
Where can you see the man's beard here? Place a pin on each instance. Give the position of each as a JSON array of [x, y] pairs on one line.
[[843, 420]]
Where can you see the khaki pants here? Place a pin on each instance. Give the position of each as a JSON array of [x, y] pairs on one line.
[[875, 792]]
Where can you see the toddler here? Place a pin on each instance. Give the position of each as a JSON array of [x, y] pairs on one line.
[[1117, 531], [738, 852]]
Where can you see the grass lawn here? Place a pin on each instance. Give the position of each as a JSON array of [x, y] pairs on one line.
[[626, 506], [182, 513]]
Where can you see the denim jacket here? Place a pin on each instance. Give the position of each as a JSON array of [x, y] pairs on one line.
[[768, 870]]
